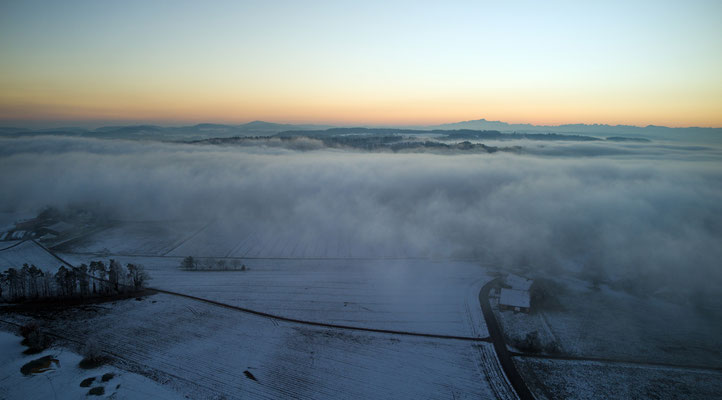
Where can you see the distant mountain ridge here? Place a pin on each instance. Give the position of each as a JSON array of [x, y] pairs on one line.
[[261, 128], [647, 132], [169, 133]]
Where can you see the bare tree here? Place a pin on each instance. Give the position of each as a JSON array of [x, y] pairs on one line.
[[137, 275], [3, 282], [13, 278], [84, 280], [61, 281], [47, 284], [189, 263], [209, 263], [115, 271], [97, 270]]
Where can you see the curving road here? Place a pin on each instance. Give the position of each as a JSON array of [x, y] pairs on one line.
[[496, 336]]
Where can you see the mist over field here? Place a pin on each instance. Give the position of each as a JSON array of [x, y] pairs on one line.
[[650, 214]]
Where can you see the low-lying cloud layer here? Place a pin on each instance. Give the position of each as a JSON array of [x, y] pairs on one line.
[[634, 214]]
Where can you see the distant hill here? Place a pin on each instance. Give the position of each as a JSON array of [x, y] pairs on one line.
[[694, 134], [262, 128], [155, 132], [449, 134]]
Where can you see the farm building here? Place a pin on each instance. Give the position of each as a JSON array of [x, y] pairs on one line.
[[517, 282], [515, 300], [59, 227]]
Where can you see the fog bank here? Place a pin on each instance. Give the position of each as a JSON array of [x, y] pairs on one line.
[[652, 216]]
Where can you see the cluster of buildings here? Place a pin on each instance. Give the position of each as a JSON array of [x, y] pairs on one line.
[[36, 228]]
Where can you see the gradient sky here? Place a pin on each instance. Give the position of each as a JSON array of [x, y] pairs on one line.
[[353, 62]]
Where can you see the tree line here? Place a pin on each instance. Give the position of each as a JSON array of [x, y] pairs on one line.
[[97, 279], [211, 264]]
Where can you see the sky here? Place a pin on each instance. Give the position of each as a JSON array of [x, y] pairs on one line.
[[372, 62]]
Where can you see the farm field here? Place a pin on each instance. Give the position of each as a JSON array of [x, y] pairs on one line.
[[144, 238], [557, 379], [64, 378], [612, 324], [219, 239], [439, 297], [15, 254], [207, 351]]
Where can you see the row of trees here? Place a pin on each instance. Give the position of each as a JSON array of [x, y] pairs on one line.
[[96, 279], [211, 264]]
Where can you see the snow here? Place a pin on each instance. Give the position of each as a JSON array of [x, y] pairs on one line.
[[424, 296], [63, 380], [559, 379], [136, 238], [223, 239], [28, 252], [202, 351], [514, 298], [615, 324], [518, 283]]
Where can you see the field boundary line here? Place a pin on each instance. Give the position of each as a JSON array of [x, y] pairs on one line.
[[614, 361], [299, 321], [184, 241], [322, 324], [13, 245]]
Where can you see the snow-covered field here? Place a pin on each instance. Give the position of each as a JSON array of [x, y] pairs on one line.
[[221, 239], [557, 379], [207, 351], [63, 380], [144, 238], [607, 323], [14, 255], [439, 297]]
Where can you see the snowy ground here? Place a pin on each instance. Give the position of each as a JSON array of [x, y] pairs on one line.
[[303, 278], [28, 252], [204, 351], [607, 323], [556, 379], [146, 238], [220, 239], [439, 297], [63, 380]]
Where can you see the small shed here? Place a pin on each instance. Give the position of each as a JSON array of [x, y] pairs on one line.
[[515, 300]]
